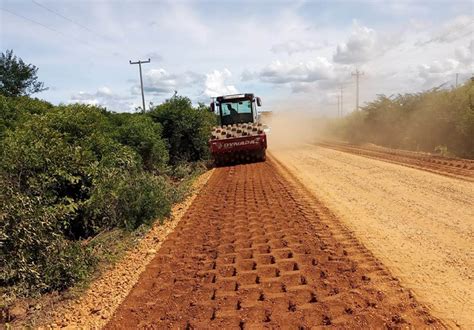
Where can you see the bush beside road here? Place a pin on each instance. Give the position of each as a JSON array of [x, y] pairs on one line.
[[71, 172]]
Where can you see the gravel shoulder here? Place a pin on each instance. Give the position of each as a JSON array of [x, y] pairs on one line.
[[419, 224]]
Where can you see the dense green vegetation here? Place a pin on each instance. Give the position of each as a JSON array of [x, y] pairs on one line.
[[68, 173], [438, 120], [16, 77], [186, 130]]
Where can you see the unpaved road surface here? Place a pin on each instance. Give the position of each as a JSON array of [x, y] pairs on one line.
[[254, 250], [419, 224], [453, 167]]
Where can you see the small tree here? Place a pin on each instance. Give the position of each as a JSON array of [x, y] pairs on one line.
[[16, 77]]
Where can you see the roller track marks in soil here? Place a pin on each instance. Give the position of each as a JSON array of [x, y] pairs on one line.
[[452, 167], [253, 251]]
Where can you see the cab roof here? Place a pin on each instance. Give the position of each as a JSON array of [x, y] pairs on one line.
[[246, 96]]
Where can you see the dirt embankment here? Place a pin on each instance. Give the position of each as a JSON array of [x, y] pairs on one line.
[[257, 251], [419, 224]]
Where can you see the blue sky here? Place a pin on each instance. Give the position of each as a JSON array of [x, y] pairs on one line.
[[295, 55]]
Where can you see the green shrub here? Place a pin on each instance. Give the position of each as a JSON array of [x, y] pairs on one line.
[[39, 161], [143, 199], [144, 136], [125, 199], [182, 170], [16, 110], [422, 121], [185, 129], [68, 173], [68, 160], [35, 256]]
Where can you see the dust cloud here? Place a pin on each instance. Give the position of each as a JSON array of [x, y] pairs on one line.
[[292, 129]]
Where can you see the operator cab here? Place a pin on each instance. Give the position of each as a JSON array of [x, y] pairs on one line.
[[236, 109]]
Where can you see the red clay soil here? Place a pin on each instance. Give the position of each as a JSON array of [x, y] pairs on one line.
[[254, 250], [452, 167]]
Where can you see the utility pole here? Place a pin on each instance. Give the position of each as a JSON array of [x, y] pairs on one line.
[[338, 105], [357, 74], [141, 78], [342, 102], [457, 76]]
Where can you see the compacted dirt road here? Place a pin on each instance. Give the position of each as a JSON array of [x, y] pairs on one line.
[[419, 224], [453, 167], [254, 249]]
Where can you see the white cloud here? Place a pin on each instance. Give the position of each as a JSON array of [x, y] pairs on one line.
[[191, 78], [180, 19], [465, 55], [302, 87], [216, 85], [104, 92], [359, 48], [444, 71], [84, 98], [453, 30], [248, 75], [159, 81], [105, 97], [297, 46], [310, 71], [438, 72], [363, 45]]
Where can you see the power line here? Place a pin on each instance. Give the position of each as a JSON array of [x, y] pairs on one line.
[[57, 31], [141, 79], [74, 22], [33, 21], [440, 38], [45, 26], [66, 18]]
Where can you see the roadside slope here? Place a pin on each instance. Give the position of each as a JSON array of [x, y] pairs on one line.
[[417, 223]]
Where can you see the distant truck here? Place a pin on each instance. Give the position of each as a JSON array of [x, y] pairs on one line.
[[240, 137]]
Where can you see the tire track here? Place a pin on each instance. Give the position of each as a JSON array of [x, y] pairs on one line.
[[452, 167], [255, 250]]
